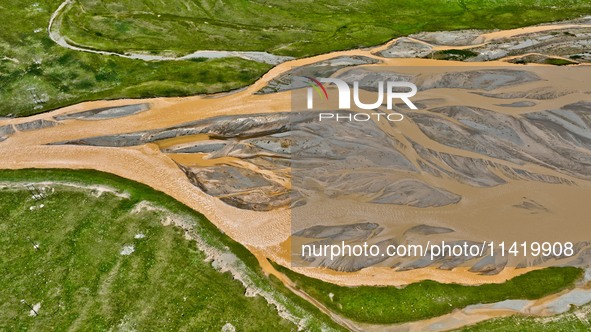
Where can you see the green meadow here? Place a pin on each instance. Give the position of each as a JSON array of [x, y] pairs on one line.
[[98, 263], [36, 75], [576, 320], [427, 299], [297, 28]]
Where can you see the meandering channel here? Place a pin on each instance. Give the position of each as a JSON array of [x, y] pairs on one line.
[[53, 29]]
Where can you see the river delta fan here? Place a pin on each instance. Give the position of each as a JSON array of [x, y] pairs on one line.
[[406, 172], [304, 166]]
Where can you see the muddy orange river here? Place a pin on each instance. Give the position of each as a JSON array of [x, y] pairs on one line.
[[267, 233]]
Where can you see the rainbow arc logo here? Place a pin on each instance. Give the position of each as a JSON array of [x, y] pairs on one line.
[[318, 87]]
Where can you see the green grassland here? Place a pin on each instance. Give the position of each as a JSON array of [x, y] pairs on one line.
[[83, 282], [60, 77], [426, 299], [298, 27], [559, 62], [454, 55], [577, 320]]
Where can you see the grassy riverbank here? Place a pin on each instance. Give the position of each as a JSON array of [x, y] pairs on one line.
[[103, 263], [576, 320], [297, 28], [81, 278], [426, 299], [36, 75]]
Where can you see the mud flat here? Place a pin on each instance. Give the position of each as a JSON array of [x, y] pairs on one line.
[[105, 112], [407, 48], [568, 41], [451, 38], [6, 131], [296, 78], [35, 125]]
